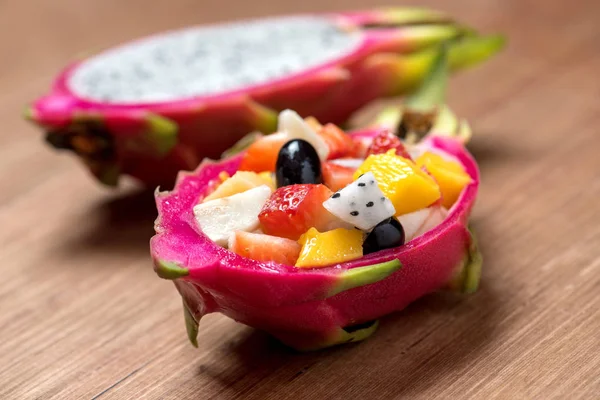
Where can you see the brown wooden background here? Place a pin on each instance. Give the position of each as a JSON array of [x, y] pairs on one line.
[[82, 314]]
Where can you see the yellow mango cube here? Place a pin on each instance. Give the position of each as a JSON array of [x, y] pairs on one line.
[[238, 183], [331, 247], [268, 178], [450, 176], [402, 181]]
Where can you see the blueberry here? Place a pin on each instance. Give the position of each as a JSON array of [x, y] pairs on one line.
[[387, 234], [298, 163]]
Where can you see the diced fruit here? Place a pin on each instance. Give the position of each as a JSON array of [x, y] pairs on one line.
[[450, 176], [296, 128], [402, 181], [238, 183], [313, 123], [223, 176], [298, 163], [219, 218], [269, 179], [259, 247], [417, 223], [386, 141], [336, 246], [242, 144], [353, 163], [415, 150], [360, 147], [292, 210], [340, 144], [335, 176], [386, 235], [262, 155], [361, 203]]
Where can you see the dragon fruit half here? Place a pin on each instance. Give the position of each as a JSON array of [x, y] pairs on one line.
[[310, 308], [156, 106]]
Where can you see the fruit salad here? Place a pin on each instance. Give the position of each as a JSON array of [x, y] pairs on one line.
[[312, 196], [312, 233]]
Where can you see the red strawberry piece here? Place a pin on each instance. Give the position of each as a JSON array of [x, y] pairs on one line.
[[359, 147], [335, 176], [340, 144], [294, 209], [386, 141]]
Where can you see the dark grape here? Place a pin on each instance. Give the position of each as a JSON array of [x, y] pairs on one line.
[[387, 234], [298, 163]]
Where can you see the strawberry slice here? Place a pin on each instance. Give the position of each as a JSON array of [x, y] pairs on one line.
[[360, 146], [262, 155], [340, 144], [259, 247], [294, 209], [386, 141], [336, 176]]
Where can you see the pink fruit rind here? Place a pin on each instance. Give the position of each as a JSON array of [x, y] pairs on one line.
[[308, 308]]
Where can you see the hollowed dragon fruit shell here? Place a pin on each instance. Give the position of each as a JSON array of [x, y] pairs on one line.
[[198, 105], [310, 308]]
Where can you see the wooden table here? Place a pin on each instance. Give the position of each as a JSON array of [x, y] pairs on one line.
[[84, 316]]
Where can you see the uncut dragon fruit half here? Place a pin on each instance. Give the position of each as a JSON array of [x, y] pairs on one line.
[[311, 234], [153, 107]]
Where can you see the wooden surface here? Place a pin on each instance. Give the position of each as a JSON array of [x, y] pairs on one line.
[[83, 316]]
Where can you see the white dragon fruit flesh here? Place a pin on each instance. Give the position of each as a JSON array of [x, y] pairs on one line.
[[417, 223], [209, 60], [220, 218], [361, 203], [353, 163], [297, 128]]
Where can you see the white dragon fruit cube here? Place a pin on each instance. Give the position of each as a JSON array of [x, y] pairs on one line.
[[296, 128], [361, 203]]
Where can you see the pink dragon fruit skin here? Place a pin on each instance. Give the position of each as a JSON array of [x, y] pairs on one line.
[[309, 308], [153, 140]]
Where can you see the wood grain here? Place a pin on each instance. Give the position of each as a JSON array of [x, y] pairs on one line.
[[83, 316]]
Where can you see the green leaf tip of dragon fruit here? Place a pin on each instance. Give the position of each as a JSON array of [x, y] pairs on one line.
[[265, 118], [191, 326], [169, 270], [409, 15], [352, 334], [242, 144], [473, 50], [427, 103], [462, 53], [467, 277], [366, 275], [341, 336], [427, 36], [432, 93], [473, 269], [161, 133], [108, 175], [28, 114]]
